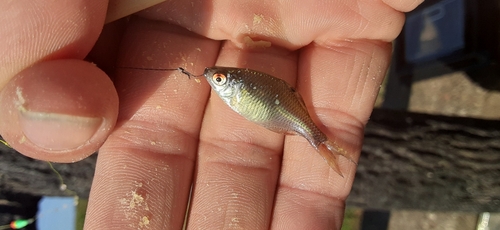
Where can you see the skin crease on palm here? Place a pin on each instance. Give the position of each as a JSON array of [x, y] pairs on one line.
[[170, 131]]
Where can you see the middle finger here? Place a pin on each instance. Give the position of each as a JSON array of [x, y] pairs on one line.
[[238, 161]]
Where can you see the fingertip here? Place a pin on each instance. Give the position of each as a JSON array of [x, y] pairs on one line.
[[403, 6], [61, 110]]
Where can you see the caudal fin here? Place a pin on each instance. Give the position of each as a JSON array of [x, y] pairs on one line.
[[329, 151]]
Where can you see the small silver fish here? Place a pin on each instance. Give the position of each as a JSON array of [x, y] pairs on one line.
[[271, 103]]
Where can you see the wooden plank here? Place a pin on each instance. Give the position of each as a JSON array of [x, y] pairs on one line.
[[427, 162], [23, 176], [409, 161]]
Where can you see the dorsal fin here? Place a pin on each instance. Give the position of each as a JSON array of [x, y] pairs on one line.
[[299, 97]]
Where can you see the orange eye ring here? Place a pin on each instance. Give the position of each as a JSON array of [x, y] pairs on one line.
[[219, 79]]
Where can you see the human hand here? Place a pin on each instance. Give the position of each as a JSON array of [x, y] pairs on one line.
[[170, 132]]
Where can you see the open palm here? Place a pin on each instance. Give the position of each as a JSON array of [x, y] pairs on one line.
[[171, 134]]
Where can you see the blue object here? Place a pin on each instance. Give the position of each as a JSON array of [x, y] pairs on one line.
[[435, 31], [56, 213]]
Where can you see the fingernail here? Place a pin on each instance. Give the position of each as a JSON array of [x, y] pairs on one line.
[[55, 131]]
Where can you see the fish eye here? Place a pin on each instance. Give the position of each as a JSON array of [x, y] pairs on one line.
[[219, 79]]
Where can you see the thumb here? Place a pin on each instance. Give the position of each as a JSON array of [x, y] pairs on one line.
[[61, 110]]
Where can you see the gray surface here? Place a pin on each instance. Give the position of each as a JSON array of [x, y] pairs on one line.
[[452, 94], [419, 220]]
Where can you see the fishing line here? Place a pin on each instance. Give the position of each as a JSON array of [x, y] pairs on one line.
[[151, 69], [4, 142], [180, 69]]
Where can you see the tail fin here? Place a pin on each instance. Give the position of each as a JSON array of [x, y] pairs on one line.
[[329, 151]]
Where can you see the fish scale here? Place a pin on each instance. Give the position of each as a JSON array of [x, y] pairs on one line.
[[272, 103]]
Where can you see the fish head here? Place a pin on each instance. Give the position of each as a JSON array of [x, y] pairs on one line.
[[223, 80]]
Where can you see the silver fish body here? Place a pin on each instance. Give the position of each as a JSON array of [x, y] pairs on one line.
[[272, 103]]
